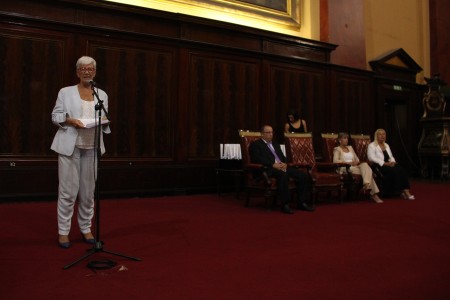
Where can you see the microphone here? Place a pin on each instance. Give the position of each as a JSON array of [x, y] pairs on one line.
[[93, 84]]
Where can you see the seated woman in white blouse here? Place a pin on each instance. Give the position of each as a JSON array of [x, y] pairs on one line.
[[395, 179], [345, 154]]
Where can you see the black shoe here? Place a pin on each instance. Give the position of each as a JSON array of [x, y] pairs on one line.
[[63, 241], [287, 210], [90, 240], [305, 207]]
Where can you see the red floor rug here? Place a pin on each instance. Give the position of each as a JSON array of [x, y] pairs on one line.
[[209, 247]]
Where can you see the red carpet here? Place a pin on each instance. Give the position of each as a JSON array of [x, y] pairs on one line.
[[209, 247]]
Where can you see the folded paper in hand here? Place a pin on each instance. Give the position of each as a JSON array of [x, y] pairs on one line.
[[89, 123]]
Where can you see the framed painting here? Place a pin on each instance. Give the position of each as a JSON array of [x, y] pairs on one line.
[[274, 15], [280, 5]]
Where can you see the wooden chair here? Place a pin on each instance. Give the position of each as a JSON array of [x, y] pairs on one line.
[[351, 182], [300, 151], [329, 142], [256, 179], [360, 142]]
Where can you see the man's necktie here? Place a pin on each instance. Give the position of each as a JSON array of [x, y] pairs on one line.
[[277, 159]]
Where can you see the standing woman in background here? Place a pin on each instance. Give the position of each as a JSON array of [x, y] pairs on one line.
[[395, 179], [75, 144], [294, 124]]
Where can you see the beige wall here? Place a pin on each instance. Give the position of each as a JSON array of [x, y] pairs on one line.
[[390, 25], [364, 30], [309, 14]]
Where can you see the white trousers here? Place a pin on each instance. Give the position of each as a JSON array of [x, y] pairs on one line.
[[366, 173], [76, 179]]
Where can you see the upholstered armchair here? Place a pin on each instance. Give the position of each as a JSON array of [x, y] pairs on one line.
[[360, 142], [300, 151], [351, 182]]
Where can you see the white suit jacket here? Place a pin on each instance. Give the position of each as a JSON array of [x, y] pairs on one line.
[[68, 104], [375, 154]]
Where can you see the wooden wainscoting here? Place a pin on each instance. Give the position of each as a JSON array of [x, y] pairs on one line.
[[178, 86]]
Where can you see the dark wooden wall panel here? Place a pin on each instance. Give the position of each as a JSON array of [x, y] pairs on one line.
[[208, 35], [31, 70], [299, 51], [129, 22], [353, 107], [439, 39], [398, 111], [141, 78], [294, 86], [224, 93]]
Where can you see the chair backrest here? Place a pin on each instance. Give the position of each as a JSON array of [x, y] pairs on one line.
[[299, 148], [246, 138], [329, 142], [360, 142]]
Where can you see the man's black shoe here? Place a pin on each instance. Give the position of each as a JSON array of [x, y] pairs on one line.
[[287, 210], [306, 207]]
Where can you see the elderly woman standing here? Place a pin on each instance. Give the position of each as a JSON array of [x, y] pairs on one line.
[[74, 144], [395, 179], [344, 153]]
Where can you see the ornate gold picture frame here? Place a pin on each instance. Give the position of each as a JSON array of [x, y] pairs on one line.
[[275, 15], [280, 5]]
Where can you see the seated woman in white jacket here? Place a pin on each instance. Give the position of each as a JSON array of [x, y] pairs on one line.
[[395, 179], [344, 153]]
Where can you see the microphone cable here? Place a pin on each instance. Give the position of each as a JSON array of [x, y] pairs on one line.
[[102, 264]]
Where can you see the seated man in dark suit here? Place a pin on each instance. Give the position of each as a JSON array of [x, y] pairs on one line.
[[269, 154]]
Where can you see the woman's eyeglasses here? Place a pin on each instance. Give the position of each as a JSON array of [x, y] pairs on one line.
[[83, 69]]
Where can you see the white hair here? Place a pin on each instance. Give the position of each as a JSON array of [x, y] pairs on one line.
[[86, 60]]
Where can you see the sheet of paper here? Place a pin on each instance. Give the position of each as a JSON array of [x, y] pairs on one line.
[[89, 123]]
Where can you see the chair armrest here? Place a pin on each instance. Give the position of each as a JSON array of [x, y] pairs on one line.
[[330, 165], [346, 166], [255, 167]]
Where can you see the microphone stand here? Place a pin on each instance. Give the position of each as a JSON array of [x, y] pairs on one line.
[[98, 246]]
